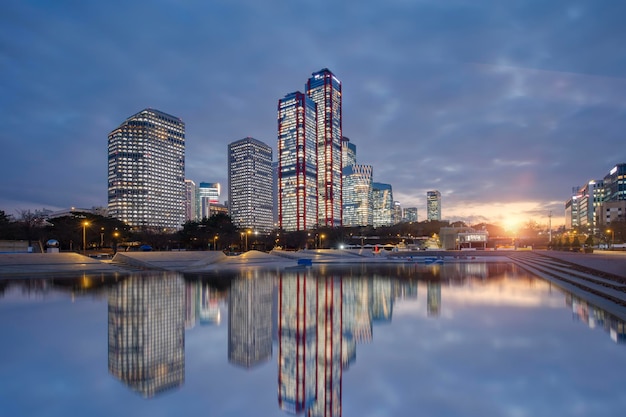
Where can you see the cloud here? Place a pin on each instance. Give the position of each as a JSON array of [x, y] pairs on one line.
[[436, 95]]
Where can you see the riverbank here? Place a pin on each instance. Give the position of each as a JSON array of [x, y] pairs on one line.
[[28, 265]]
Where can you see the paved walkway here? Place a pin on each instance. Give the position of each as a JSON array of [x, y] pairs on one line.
[[35, 264], [613, 262], [27, 265]]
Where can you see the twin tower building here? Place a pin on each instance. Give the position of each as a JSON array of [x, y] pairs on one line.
[[146, 167]]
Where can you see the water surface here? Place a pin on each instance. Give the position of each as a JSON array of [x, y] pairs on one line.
[[469, 339]]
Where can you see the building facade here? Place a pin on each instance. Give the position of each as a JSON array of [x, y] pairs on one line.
[[410, 214], [146, 171], [297, 162], [358, 209], [250, 187], [433, 205], [325, 90], [208, 195], [348, 150], [384, 211], [192, 206]]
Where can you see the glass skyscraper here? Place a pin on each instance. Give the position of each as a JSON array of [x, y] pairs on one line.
[[433, 205], [146, 171], [297, 162], [192, 207], [250, 187], [325, 90], [208, 196], [358, 207], [382, 196]]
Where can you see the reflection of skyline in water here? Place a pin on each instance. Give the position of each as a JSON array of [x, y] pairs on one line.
[[147, 333], [250, 319], [321, 316]]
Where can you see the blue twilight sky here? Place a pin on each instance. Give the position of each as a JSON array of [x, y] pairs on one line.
[[503, 106]]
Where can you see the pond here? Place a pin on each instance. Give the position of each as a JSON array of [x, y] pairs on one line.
[[465, 339]]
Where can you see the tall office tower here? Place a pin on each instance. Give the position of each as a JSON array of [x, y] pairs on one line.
[[325, 90], [613, 190], [382, 197], [297, 162], [147, 171], [410, 214], [275, 193], [348, 151], [208, 194], [146, 333], [192, 207], [250, 185], [358, 209], [572, 218], [397, 212], [250, 320], [433, 205]]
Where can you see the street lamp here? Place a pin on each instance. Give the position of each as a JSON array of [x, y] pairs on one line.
[[215, 242], [85, 224], [612, 232], [101, 237], [321, 241]]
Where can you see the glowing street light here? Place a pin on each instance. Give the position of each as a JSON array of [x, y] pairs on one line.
[[612, 232], [321, 241], [85, 224], [215, 243]]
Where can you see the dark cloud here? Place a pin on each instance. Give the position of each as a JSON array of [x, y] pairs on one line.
[[489, 102]]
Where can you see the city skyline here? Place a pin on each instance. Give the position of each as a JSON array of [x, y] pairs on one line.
[[501, 109]]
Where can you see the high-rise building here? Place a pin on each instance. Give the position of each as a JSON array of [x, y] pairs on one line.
[[192, 207], [146, 171], [613, 194], [397, 212], [250, 187], [208, 195], [410, 214], [433, 205], [382, 196], [325, 90], [297, 162], [358, 209], [348, 150]]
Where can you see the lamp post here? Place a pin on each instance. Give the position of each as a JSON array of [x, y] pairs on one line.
[[116, 234], [85, 224], [215, 243], [322, 241], [101, 237], [612, 232]]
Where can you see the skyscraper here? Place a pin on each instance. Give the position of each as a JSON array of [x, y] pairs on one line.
[[348, 151], [192, 209], [250, 187], [297, 162], [208, 195], [410, 214], [358, 209], [146, 171], [433, 205], [382, 196], [325, 90]]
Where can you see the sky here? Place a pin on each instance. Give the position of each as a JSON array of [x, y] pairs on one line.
[[501, 106]]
